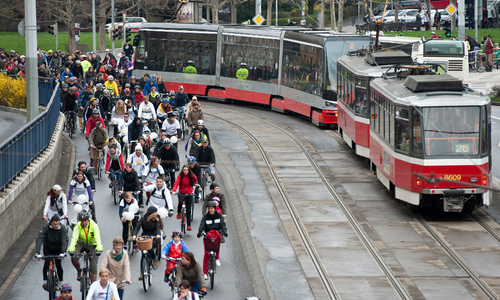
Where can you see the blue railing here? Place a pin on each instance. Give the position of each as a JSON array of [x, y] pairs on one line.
[[44, 90], [18, 151]]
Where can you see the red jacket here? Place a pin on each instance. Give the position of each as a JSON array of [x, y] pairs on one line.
[[186, 187], [91, 124], [120, 160], [138, 98]]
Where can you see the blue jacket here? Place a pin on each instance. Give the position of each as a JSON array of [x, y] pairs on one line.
[[147, 88], [84, 98]]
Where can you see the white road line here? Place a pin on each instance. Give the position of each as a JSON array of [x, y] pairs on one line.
[[495, 117]]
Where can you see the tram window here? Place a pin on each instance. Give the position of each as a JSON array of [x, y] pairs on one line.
[[402, 125], [302, 67], [485, 129], [361, 105], [387, 120]]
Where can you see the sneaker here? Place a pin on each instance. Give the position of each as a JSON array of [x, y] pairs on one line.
[[136, 248], [79, 276], [110, 184], [166, 278], [91, 162], [206, 276], [140, 277], [178, 216], [189, 228], [217, 263], [141, 206], [44, 285]]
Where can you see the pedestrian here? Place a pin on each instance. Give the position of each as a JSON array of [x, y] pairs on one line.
[[117, 262], [437, 20]]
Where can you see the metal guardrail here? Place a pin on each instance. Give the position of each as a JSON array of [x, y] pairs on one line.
[[19, 150], [45, 86]]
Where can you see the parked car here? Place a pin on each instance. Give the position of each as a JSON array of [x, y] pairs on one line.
[[132, 23], [391, 17]]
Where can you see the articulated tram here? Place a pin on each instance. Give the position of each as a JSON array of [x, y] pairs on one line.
[[417, 130], [289, 70]]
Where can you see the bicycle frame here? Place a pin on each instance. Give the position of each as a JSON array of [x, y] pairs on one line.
[[85, 269], [52, 276]]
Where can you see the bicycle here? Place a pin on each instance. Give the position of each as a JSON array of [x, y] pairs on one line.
[[115, 187], [85, 269], [99, 162], [205, 174], [212, 245], [53, 285], [145, 243], [184, 126], [173, 275], [184, 212], [70, 123], [477, 64]]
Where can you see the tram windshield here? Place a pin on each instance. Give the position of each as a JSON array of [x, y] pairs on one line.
[[450, 131]]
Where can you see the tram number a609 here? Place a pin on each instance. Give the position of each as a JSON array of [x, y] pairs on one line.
[[454, 177]]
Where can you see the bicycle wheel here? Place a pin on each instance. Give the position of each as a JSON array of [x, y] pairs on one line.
[[183, 221], [211, 270], [192, 209], [70, 127], [84, 285], [130, 242], [115, 192], [145, 274], [51, 285], [99, 166]]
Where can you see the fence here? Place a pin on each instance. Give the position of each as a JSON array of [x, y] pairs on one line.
[[17, 152], [44, 90]]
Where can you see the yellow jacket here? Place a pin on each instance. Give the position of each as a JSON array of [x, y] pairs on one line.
[[115, 87], [89, 235]]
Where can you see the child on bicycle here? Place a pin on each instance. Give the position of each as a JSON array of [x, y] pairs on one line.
[[114, 164], [214, 226], [128, 199], [173, 249]]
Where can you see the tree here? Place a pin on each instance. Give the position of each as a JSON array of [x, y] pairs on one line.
[[310, 6], [214, 6], [341, 15], [234, 9], [269, 12], [332, 15]]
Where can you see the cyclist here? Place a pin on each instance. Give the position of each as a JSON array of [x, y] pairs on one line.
[[194, 115], [112, 141], [171, 126], [70, 102], [184, 292], [194, 143], [127, 96], [215, 192], [138, 95], [196, 169], [114, 164], [130, 180], [117, 115], [131, 109], [56, 203], [54, 239], [99, 89], [103, 289], [111, 83], [92, 122], [89, 110], [117, 262], [106, 102], [139, 162], [135, 130], [82, 166], [185, 182], [146, 146], [97, 138], [148, 86], [214, 226], [150, 224], [147, 112], [153, 95], [83, 100], [173, 249], [65, 292], [205, 156], [86, 235], [78, 186], [181, 99], [152, 171], [163, 109], [189, 269], [123, 127], [124, 206], [160, 195], [202, 128], [169, 159]]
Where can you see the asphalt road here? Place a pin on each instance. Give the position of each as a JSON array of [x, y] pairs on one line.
[[232, 280], [10, 124]]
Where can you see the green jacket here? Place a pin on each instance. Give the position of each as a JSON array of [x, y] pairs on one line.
[[190, 69], [89, 236], [242, 73]]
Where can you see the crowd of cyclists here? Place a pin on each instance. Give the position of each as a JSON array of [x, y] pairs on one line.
[[133, 125]]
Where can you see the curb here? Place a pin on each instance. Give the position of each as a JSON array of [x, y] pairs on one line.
[[14, 110], [30, 251]]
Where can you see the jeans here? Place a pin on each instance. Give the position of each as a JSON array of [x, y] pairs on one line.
[[120, 293], [182, 111], [195, 287], [115, 175]]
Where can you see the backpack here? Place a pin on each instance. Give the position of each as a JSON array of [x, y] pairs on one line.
[[162, 195]]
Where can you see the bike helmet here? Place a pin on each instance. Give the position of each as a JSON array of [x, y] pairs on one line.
[[212, 204], [170, 114], [137, 86], [78, 62], [213, 185], [65, 85], [176, 232], [73, 89], [106, 91], [164, 100], [83, 216], [217, 199], [200, 122], [167, 142], [191, 160], [99, 86], [95, 111], [111, 78], [172, 93]]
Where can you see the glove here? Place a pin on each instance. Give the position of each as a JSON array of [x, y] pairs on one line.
[[61, 255], [170, 212], [198, 235], [177, 168], [225, 234], [38, 256], [98, 253], [163, 257], [72, 254]]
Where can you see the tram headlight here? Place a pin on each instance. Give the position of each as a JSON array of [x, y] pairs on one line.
[[330, 104]]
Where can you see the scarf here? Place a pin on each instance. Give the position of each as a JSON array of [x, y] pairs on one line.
[[177, 244], [115, 255]]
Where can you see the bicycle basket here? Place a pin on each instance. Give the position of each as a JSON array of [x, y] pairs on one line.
[[144, 243], [212, 243]]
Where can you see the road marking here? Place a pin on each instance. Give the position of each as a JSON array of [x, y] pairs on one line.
[[495, 117]]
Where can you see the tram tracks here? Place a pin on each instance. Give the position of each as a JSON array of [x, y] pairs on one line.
[[313, 254]]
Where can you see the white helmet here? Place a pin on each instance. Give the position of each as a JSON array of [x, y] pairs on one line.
[[200, 122]]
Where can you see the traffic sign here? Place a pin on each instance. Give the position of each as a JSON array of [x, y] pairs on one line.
[[258, 19], [451, 9], [20, 28]]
